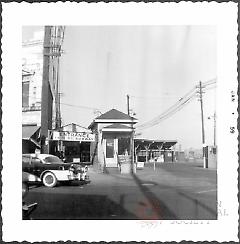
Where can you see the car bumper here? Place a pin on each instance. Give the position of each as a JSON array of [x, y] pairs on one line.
[[79, 176]]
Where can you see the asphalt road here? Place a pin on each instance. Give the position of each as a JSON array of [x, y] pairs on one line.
[[173, 191]]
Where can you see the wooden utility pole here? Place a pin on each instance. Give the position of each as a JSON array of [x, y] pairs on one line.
[[128, 109], [131, 150], [214, 134], [205, 163], [46, 100]]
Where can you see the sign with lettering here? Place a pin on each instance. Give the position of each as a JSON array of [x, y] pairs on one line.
[[71, 136]]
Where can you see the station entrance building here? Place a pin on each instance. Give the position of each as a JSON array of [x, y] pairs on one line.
[[113, 131]]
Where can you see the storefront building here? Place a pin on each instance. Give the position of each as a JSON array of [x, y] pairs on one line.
[[71, 143]]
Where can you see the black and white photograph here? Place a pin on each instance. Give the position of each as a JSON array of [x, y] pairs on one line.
[[123, 124], [126, 105]]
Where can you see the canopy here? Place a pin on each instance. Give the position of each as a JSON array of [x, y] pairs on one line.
[[30, 131], [154, 144]]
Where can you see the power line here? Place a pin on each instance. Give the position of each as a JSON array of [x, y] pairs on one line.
[[165, 115], [207, 83], [183, 101], [79, 106], [66, 104]]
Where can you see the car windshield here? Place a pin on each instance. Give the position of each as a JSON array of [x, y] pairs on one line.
[[53, 159]]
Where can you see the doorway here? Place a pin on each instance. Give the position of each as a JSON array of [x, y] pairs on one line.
[[111, 151]]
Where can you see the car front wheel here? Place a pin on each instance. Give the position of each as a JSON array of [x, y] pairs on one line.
[[49, 179]]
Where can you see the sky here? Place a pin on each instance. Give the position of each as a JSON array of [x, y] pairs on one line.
[[154, 65]]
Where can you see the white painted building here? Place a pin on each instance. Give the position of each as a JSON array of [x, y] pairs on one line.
[[32, 66], [32, 80]]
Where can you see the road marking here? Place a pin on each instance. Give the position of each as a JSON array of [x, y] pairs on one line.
[[206, 191]]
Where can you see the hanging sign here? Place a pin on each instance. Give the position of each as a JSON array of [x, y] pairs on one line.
[[71, 136]]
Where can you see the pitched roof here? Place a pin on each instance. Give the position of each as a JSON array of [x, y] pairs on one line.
[[115, 114], [71, 125]]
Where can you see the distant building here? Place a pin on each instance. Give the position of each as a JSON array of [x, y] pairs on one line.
[[32, 65]]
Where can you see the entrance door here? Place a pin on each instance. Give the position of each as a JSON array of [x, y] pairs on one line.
[[111, 152]]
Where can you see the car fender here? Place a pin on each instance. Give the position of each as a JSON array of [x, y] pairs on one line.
[[27, 177], [61, 175]]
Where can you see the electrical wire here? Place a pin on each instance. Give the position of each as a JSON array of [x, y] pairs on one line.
[[67, 104], [182, 102], [165, 115], [79, 106]]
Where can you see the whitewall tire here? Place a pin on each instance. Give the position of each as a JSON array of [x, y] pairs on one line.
[[49, 179]]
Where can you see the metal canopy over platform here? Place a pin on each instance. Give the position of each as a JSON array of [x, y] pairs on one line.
[[154, 144]]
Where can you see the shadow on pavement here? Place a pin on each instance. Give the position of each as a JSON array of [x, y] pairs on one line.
[[80, 206], [160, 210], [212, 212]]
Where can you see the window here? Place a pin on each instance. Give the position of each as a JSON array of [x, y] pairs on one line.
[[52, 159], [109, 148], [25, 94]]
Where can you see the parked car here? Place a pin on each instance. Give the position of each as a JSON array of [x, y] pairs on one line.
[[49, 169], [27, 209]]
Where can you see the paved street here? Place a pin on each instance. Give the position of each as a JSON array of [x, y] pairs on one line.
[[172, 191]]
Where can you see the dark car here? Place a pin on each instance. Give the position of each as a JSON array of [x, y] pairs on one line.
[[49, 169]]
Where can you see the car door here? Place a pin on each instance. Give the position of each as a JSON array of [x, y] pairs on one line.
[[26, 164], [37, 166]]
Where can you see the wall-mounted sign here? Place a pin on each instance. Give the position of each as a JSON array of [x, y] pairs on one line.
[[70, 136]]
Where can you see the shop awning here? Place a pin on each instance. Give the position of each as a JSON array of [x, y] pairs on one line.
[[31, 133]]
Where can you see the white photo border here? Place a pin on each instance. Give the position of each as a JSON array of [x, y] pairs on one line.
[[16, 15]]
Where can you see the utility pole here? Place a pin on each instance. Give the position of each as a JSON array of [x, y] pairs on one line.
[[205, 163], [131, 150], [214, 139], [57, 99], [128, 110], [46, 100]]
